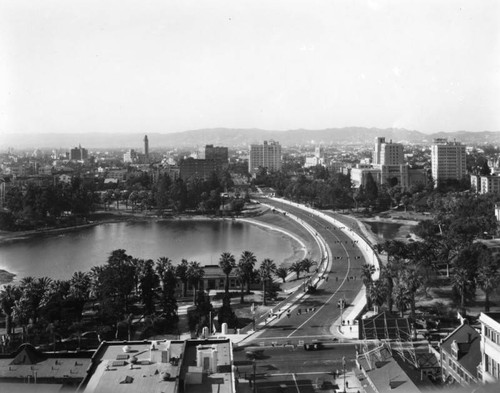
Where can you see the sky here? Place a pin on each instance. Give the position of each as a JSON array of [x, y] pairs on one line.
[[168, 66]]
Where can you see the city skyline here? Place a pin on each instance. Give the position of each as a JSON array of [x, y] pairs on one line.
[[170, 67]]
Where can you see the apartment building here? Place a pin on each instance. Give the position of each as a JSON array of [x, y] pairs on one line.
[[447, 160], [460, 356], [387, 153], [489, 368], [267, 155]]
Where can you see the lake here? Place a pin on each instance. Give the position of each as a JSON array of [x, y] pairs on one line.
[[385, 230], [60, 255]]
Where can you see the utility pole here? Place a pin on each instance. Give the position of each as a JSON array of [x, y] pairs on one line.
[[254, 363], [343, 369]]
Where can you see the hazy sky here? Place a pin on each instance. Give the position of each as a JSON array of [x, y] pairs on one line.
[[164, 66]]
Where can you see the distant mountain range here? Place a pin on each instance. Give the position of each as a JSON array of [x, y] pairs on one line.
[[238, 137]]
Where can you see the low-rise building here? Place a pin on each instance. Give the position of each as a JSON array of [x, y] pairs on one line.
[[460, 356], [30, 370], [164, 366]]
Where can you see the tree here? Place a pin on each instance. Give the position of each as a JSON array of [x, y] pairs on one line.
[[247, 264], [371, 189], [367, 271], [485, 169], [296, 268], [400, 295], [376, 294], [488, 275], [464, 272], [166, 273], [195, 274], [8, 296], [282, 272], [181, 271], [115, 283], [227, 263], [267, 268], [147, 282], [240, 274], [307, 264], [79, 291]]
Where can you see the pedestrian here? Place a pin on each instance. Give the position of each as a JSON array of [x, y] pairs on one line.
[[347, 384]]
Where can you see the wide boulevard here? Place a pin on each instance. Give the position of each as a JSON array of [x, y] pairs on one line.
[[313, 318], [275, 371]]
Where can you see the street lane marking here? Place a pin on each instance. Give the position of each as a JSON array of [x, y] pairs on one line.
[[296, 385], [335, 293]]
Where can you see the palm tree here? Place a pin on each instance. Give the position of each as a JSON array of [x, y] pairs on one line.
[[400, 296], [181, 272], [387, 275], [195, 274], [460, 280], [240, 275], [307, 264], [282, 272], [296, 268], [376, 294], [95, 282], [267, 268], [413, 281], [227, 263], [80, 290], [247, 264], [166, 273], [8, 296]]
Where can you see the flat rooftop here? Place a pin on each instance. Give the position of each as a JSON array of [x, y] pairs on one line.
[[20, 370], [133, 367], [136, 367]]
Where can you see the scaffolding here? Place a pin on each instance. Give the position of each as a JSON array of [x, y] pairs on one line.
[[394, 334]]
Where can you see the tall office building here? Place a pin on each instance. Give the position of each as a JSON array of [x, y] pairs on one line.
[[267, 155], [146, 148], [79, 153], [387, 153], [447, 160], [217, 153]]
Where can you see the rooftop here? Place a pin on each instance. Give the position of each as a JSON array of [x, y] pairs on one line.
[[384, 372], [50, 371], [162, 367], [468, 342]]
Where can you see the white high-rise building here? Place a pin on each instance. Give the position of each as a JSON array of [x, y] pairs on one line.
[[447, 160], [267, 155], [489, 369], [387, 153]]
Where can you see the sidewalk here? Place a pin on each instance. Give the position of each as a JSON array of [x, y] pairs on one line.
[[346, 327]]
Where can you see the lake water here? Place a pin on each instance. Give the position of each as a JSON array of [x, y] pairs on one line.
[[60, 255], [384, 230]]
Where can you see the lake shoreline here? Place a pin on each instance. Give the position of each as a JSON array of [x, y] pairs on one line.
[[295, 239]]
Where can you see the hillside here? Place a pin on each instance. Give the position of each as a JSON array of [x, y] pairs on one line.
[[239, 137]]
